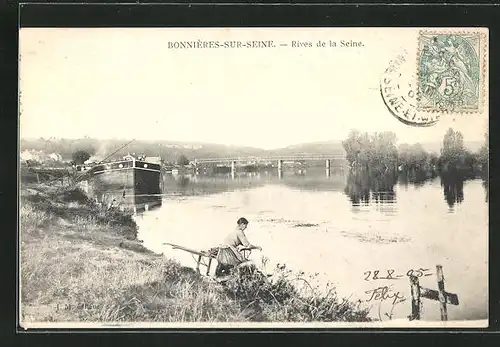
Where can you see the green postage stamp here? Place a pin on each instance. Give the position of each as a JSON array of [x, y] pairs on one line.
[[451, 71]]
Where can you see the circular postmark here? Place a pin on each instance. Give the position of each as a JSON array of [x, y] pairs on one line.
[[449, 72], [400, 95]]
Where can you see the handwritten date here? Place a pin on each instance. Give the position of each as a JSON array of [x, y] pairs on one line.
[[390, 274]]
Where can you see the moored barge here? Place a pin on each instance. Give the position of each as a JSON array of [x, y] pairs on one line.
[[125, 181]]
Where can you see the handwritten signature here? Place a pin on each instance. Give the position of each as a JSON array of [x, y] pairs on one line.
[[385, 294]]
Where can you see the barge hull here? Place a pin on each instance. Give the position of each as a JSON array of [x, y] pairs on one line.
[[128, 183]]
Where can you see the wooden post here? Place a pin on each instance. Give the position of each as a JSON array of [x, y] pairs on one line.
[[415, 298], [280, 168], [198, 264], [437, 295], [209, 264], [233, 169], [442, 298], [37, 177]]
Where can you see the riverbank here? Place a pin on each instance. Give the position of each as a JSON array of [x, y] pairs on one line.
[[81, 262]]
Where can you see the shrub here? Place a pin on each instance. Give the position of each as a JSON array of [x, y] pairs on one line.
[[281, 299], [72, 194]]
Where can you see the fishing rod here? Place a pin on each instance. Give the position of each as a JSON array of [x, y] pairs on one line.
[[190, 250], [205, 253]]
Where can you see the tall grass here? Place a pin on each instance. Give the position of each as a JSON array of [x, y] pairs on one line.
[[72, 269], [32, 219], [93, 286], [73, 205]]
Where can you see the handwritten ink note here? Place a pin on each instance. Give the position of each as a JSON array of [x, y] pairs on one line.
[[391, 274], [386, 297], [385, 293]]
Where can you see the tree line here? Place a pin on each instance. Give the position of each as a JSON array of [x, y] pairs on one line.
[[379, 152]]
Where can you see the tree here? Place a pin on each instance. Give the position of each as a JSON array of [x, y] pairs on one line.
[[453, 144], [80, 156], [453, 152], [433, 160], [356, 147], [383, 150], [183, 160], [413, 157], [351, 146], [483, 155], [377, 151]]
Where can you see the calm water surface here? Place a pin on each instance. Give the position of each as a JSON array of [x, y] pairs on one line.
[[344, 228]]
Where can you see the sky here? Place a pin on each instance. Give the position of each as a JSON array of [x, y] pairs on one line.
[[127, 83]]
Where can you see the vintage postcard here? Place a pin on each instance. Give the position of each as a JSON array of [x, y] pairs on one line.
[[253, 178]]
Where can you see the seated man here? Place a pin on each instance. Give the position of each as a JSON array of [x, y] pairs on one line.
[[230, 254]]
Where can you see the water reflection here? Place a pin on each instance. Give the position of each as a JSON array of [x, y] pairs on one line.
[[204, 184], [123, 198], [363, 187], [146, 203], [453, 187], [486, 189], [313, 179], [192, 184], [416, 178]]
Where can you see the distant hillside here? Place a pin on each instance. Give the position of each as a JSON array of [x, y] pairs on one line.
[[330, 147], [170, 151]]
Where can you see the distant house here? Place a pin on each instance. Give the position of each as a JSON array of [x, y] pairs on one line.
[[40, 157], [55, 156], [28, 155]]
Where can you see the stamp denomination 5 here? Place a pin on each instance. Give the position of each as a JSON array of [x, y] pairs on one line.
[[450, 71]]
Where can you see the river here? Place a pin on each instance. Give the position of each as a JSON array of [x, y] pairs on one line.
[[350, 230]]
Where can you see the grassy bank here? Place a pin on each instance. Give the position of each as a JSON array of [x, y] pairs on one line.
[[81, 262]]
